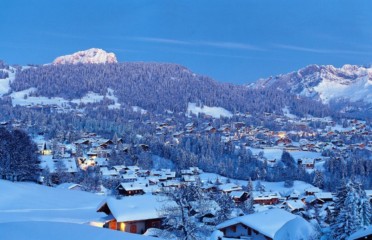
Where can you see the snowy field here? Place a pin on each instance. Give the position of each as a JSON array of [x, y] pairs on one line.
[[215, 112], [18, 98], [34, 212], [61, 231], [32, 202], [276, 153]]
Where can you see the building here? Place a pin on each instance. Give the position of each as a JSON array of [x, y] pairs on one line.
[[273, 224], [266, 198], [133, 214], [129, 189]]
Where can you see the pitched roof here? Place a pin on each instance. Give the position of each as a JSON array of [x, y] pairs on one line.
[[134, 208], [267, 222]]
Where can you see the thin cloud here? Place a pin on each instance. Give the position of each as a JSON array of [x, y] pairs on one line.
[[162, 40], [318, 50], [232, 45], [225, 45]]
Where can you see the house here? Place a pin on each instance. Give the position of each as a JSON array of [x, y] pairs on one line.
[[273, 224], [312, 190], [108, 172], [129, 189], [308, 163], [266, 198], [239, 196], [229, 187], [70, 186], [295, 206], [188, 178], [323, 197], [133, 214], [295, 194]]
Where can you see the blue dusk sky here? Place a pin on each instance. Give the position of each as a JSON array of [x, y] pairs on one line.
[[237, 41]]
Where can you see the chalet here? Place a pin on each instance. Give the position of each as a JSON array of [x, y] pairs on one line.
[[312, 190], [70, 186], [323, 197], [133, 214], [295, 206], [108, 172], [273, 224], [229, 187], [188, 178], [265, 198], [129, 189], [308, 163], [294, 195], [239, 196], [210, 129], [129, 177], [119, 168]]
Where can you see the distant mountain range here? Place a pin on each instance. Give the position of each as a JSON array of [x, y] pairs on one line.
[[324, 83], [157, 87]]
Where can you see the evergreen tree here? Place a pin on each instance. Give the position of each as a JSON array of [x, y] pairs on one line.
[[18, 156], [352, 210], [318, 179]]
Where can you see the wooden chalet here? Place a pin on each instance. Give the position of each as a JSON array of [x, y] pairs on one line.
[[266, 198], [271, 224], [133, 214], [129, 189]]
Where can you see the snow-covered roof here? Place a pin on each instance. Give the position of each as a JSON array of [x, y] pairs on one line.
[[257, 195], [297, 228], [236, 194], [295, 204], [106, 172], [135, 208], [68, 185], [267, 222], [130, 186], [229, 187], [324, 195], [313, 190]]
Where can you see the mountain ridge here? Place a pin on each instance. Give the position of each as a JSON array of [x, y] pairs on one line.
[[90, 56], [324, 83]]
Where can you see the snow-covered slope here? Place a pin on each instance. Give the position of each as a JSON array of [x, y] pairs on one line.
[[93, 55], [4, 82], [61, 231], [32, 202], [34, 212], [324, 83], [215, 112]]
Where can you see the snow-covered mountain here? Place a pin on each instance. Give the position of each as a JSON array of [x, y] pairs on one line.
[[324, 83], [93, 55]]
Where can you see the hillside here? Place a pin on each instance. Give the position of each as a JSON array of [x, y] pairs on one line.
[[154, 87], [324, 83]]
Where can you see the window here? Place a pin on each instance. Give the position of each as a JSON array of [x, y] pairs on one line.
[[133, 228], [233, 228], [112, 225]]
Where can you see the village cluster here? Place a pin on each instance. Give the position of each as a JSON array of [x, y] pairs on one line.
[[135, 207]]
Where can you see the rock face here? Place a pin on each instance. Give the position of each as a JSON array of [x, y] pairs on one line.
[[324, 83], [90, 56]]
